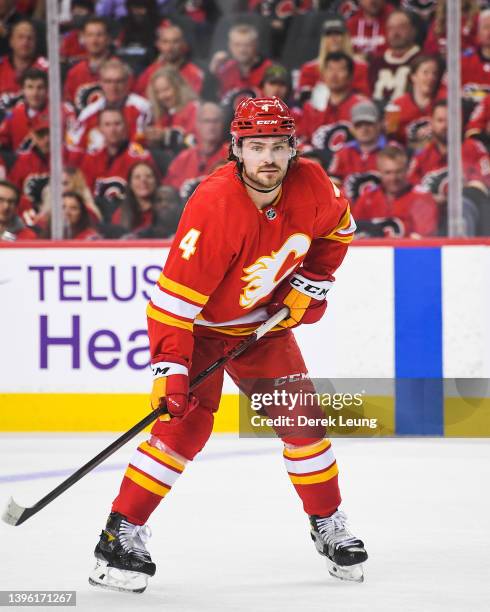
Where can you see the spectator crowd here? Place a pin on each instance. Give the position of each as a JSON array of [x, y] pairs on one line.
[[150, 86]]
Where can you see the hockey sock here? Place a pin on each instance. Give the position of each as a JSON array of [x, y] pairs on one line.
[[314, 474], [148, 478]]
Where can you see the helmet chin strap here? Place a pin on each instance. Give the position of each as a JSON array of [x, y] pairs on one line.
[[255, 188]]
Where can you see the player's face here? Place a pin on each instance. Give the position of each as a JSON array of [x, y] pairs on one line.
[[484, 32], [71, 210], [439, 124], [8, 202], [243, 47], [114, 85], [278, 89], [95, 39], [143, 183], [164, 92], [425, 78], [112, 128], [171, 44], [399, 31], [366, 133], [23, 41], [265, 160], [336, 76], [35, 93], [393, 173]]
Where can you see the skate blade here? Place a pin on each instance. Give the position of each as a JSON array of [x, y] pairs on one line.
[[115, 579], [349, 573]]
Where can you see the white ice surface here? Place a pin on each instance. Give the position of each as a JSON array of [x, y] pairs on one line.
[[232, 535]]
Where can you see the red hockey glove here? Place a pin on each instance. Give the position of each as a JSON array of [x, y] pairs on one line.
[[170, 384], [304, 293]]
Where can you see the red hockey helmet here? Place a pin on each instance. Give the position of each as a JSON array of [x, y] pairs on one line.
[[262, 117]]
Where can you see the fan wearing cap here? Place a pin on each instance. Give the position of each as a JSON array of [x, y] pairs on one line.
[[335, 38], [354, 167], [265, 230]]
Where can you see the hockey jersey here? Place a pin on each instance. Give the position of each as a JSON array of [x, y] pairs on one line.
[[10, 80], [82, 85], [189, 72], [16, 128], [231, 78], [309, 76], [228, 257], [388, 74], [475, 75]]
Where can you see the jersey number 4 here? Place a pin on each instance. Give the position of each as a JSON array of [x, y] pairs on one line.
[[188, 243]]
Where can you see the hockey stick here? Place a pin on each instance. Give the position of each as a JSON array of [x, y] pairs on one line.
[[16, 515]]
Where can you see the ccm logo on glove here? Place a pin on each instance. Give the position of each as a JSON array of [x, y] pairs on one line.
[[318, 291]]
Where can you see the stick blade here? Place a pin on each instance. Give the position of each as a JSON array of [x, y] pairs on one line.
[[13, 513]]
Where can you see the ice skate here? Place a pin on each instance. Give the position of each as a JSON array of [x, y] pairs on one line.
[[122, 561], [344, 552]]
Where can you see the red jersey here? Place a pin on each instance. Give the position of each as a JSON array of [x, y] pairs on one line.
[[30, 174], [72, 48], [82, 85], [309, 76], [356, 171], [437, 44], [107, 176], [413, 123], [413, 212], [368, 33], [230, 76], [192, 164], [222, 279], [314, 122], [280, 9], [429, 167], [146, 219], [18, 231], [10, 79], [189, 71], [480, 118], [388, 74], [84, 135], [475, 75], [183, 119], [16, 128]]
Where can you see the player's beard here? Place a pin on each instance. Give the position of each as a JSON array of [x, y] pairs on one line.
[[265, 180]]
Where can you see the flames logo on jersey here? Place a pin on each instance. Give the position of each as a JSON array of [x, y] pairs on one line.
[[110, 188], [419, 130], [436, 182], [332, 137], [269, 270], [358, 183], [34, 185], [86, 94]]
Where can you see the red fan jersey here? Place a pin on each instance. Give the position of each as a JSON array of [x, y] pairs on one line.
[[192, 164], [107, 175], [230, 76], [71, 47], [479, 122], [408, 122], [475, 75], [437, 44], [280, 9], [314, 119], [189, 71], [10, 79], [82, 85], [429, 167], [30, 174], [413, 212], [15, 129], [309, 76], [368, 33], [388, 74], [146, 219], [228, 257], [183, 119], [85, 135]]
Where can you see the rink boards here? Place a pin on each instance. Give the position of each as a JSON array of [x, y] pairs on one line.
[[74, 348]]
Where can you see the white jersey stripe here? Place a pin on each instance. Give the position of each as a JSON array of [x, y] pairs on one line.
[[173, 305]]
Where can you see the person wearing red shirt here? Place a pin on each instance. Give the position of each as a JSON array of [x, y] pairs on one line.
[[479, 121], [475, 63], [396, 208], [193, 164], [367, 26], [106, 171], [335, 37], [173, 51], [242, 67], [326, 123], [72, 48], [77, 221], [408, 117], [115, 78], [354, 168], [16, 128], [388, 71], [82, 84], [22, 56], [436, 41], [11, 226]]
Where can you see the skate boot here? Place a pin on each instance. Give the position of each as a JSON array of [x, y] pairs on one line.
[[344, 552], [122, 561]]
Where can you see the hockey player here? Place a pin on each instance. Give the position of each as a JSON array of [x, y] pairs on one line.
[[290, 231]]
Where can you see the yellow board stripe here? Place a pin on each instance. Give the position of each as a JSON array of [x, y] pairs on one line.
[[187, 292], [305, 451], [155, 314], [315, 478], [146, 483], [158, 454]]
